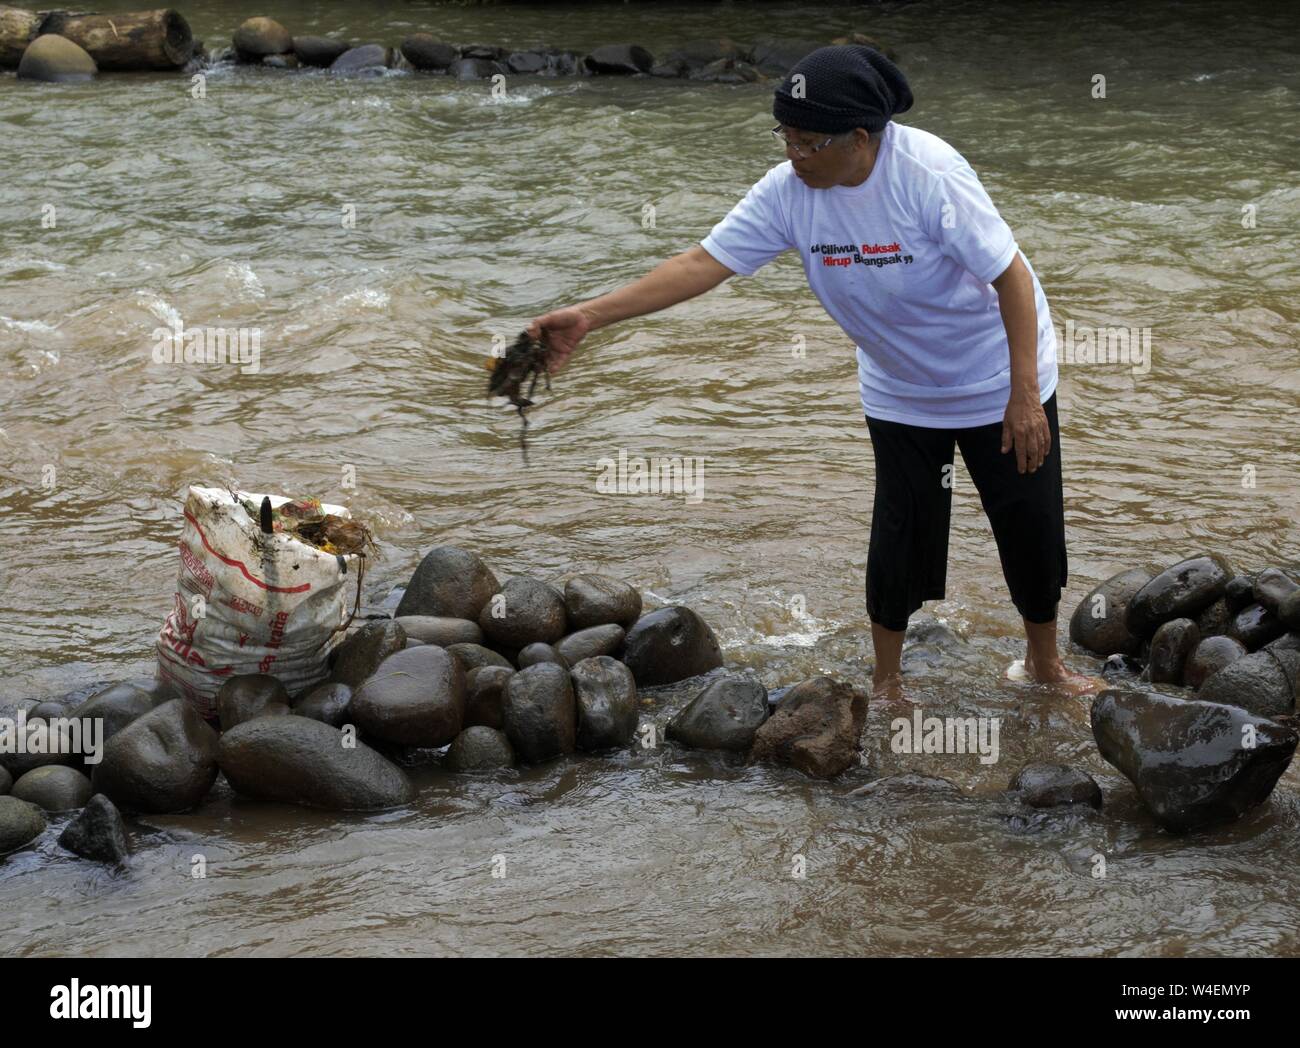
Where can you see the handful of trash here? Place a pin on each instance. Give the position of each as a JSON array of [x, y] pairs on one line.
[[307, 520], [524, 361]]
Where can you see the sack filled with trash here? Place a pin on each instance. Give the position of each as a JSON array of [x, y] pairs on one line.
[[266, 584]]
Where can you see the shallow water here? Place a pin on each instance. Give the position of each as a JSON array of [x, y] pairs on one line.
[[475, 214]]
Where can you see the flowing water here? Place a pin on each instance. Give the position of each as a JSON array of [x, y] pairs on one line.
[[474, 213]]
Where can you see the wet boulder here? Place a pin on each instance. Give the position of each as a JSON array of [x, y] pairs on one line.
[[475, 656], [532, 654], [295, 760], [28, 742], [486, 696], [97, 833], [1239, 592], [318, 51], [474, 68], [115, 707], [669, 645], [724, 716], [165, 761], [605, 698], [440, 630], [1190, 761], [1264, 683], [1180, 591], [428, 54], [258, 37], [524, 611], [539, 714], [588, 643], [526, 62], [1215, 619], [1254, 625], [328, 703], [1173, 642], [363, 59], [415, 698], [618, 60], [1210, 656], [597, 600], [1287, 642], [815, 729], [54, 787], [694, 55], [1051, 785], [1099, 622], [360, 655], [1273, 586], [250, 695], [480, 748], [449, 583], [56, 60], [20, 823], [1288, 610]]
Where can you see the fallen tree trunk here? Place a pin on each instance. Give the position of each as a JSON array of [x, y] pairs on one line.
[[130, 41], [17, 30]]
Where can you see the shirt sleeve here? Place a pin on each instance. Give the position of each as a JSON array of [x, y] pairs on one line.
[[962, 220], [754, 232]]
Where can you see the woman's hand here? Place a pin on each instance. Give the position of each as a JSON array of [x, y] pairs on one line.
[[1024, 426], [564, 329]]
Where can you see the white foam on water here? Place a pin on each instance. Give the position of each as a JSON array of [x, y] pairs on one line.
[[248, 281], [38, 326], [1017, 671], [160, 308], [367, 298]]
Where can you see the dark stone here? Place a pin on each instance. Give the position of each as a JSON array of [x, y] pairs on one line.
[[116, 707], [330, 703], [296, 760], [1254, 625], [486, 696], [1187, 759], [588, 643], [416, 698], [1272, 586], [444, 632], [669, 645], [1119, 666], [1214, 620], [563, 63], [1173, 642], [281, 61], [540, 714], [724, 716], [728, 71], [1239, 592], [815, 729], [480, 748], [20, 823], [97, 833], [360, 655], [248, 695], [694, 55], [258, 37], [1101, 626], [6, 781], [604, 695], [778, 57], [366, 58], [1210, 656], [619, 59], [532, 654], [449, 583], [1264, 683], [488, 52], [54, 787], [164, 761], [319, 51], [44, 744], [1178, 592], [55, 59], [526, 62], [524, 611], [1288, 610], [597, 600], [428, 54], [474, 68], [475, 656], [47, 709], [1286, 642], [1049, 785]]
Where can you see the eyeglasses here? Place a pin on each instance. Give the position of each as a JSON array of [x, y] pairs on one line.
[[798, 150]]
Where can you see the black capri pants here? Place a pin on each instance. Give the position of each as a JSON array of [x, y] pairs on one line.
[[907, 562]]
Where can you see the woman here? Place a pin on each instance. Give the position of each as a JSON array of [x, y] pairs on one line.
[[955, 346]]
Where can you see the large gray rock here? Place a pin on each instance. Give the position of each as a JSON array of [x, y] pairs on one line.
[[416, 698], [1272, 586], [619, 59], [486, 696], [1173, 642], [1288, 610], [475, 656], [1193, 763], [525, 611], [328, 703], [1099, 622], [1213, 621], [428, 54], [1210, 656], [604, 693], [55, 59], [32, 742], [669, 645], [20, 823], [815, 729], [368, 58], [444, 632], [360, 655], [1050, 785], [539, 714], [1264, 683], [296, 760], [257, 37], [588, 643], [451, 583], [480, 748], [97, 833], [1239, 592], [165, 761], [54, 788], [532, 654], [319, 51], [1254, 625], [249, 695], [724, 716], [1178, 592], [115, 707], [597, 600]]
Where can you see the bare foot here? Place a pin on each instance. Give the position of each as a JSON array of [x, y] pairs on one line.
[[1063, 680], [888, 690]]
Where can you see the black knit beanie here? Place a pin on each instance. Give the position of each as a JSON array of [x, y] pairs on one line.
[[843, 87]]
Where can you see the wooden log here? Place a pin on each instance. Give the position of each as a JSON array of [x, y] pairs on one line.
[[17, 30], [131, 41]]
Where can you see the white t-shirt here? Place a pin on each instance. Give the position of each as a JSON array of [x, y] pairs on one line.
[[903, 263]]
